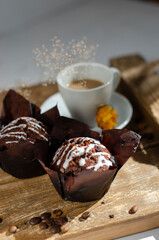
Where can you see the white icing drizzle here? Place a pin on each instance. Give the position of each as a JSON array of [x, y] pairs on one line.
[[99, 153], [37, 126], [75, 151], [82, 162], [56, 156], [63, 153], [78, 150], [19, 130], [42, 136], [101, 162], [13, 134], [18, 133], [58, 162], [8, 135], [7, 128], [8, 142]]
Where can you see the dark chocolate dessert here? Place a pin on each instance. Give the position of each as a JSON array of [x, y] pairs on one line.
[[23, 128], [83, 163], [17, 146], [82, 153]]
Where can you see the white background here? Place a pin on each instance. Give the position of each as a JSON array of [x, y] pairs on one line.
[[118, 26]]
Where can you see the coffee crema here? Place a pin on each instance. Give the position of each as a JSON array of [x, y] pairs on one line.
[[84, 84]]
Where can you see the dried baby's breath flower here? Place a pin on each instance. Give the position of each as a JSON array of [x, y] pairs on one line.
[[106, 117], [58, 55], [53, 58], [24, 92]]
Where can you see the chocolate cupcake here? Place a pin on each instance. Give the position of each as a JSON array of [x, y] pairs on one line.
[[20, 130], [83, 168]]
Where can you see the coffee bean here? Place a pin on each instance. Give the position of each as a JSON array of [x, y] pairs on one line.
[[50, 221], [57, 212], [43, 225], [1, 220], [133, 209], [102, 202], [55, 229], [13, 229], [111, 216], [66, 227], [45, 215], [84, 216], [81, 219], [35, 220], [60, 221]]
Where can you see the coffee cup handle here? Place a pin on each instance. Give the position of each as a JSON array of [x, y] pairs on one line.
[[116, 79]]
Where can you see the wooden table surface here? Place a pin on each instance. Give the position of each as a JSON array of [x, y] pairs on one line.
[[135, 184]]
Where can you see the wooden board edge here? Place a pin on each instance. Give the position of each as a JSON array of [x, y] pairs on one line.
[[118, 230]]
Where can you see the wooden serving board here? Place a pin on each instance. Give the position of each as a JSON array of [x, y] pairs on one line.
[[137, 183]]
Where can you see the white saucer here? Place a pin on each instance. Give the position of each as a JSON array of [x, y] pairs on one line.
[[120, 103]]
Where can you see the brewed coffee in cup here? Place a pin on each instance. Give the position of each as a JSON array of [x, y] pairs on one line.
[[84, 84]]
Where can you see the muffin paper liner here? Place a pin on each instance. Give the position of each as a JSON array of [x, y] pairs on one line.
[[86, 185], [15, 106], [19, 160]]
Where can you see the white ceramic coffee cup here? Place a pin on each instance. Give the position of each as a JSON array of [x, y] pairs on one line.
[[83, 104]]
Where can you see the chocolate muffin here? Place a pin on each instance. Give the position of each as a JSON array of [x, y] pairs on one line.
[[81, 153], [17, 141], [23, 128], [82, 169], [84, 164]]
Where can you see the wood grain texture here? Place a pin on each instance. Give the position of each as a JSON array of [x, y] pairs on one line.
[[136, 183], [143, 79]]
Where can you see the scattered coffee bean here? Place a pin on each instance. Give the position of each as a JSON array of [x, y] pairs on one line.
[[81, 219], [55, 229], [111, 216], [66, 227], [102, 202], [45, 215], [60, 221], [57, 213], [84, 216], [1, 220], [43, 225], [133, 209], [13, 229], [35, 220], [50, 221]]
